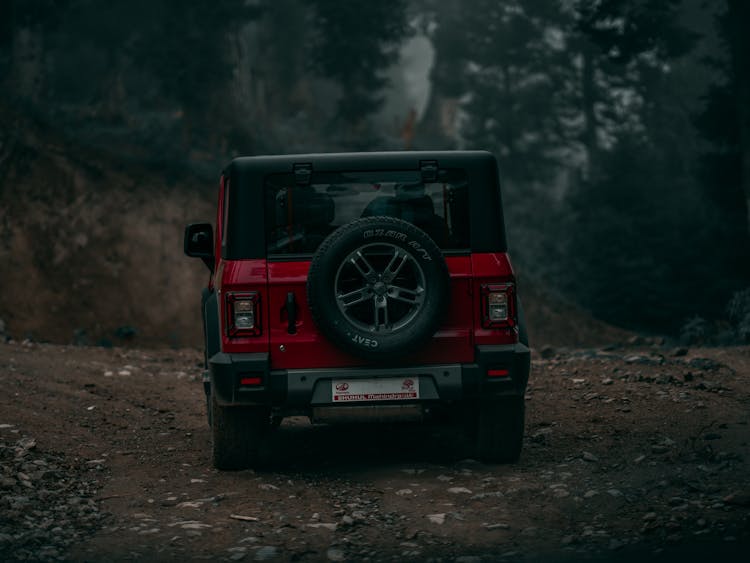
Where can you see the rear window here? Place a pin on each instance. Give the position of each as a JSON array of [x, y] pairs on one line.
[[299, 218]]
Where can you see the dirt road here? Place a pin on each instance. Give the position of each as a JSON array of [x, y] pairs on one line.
[[630, 453]]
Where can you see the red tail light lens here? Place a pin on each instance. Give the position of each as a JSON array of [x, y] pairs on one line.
[[251, 381], [498, 305], [243, 313]]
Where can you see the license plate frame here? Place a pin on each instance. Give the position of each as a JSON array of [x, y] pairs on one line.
[[375, 389]]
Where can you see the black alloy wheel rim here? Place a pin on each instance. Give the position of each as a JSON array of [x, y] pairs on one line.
[[380, 288]]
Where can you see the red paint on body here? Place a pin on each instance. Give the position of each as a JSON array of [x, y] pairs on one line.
[[307, 348]]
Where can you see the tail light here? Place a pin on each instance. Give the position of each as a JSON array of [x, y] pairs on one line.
[[498, 305], [243, 313]]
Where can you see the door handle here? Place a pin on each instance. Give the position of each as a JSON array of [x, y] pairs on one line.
[[291, 313]]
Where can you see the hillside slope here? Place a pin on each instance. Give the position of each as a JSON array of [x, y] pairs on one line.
[[91, 246]]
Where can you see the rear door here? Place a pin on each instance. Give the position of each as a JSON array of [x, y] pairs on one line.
[[299, 216]]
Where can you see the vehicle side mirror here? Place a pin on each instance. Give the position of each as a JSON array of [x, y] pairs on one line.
[[199, 243]]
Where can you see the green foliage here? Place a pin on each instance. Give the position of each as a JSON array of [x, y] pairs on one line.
[[184, 44], [738, 310], [153, 70], [641, 243], [644, 240], [646, 30], [720, 122], [353, 44], [519, 87], [734, 330], [653, 249], [696, 331]]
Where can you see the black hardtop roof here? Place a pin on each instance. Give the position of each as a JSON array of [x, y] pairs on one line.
[[247, 175], [387, 160]]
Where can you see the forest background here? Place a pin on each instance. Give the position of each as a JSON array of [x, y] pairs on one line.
[[622, 130]]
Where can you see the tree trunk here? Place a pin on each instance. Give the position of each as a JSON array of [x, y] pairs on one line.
[[27, 63], [432, 131], [437, 129], [739, 18], [588, 101], [509, 133]]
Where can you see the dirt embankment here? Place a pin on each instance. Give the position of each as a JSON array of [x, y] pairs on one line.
[[91, 250], [630, 454]]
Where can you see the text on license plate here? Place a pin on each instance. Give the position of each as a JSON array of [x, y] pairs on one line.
[[383, 389]]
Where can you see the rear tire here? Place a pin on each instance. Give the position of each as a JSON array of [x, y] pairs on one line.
[[499, 429], [236, 434], [378, 288]]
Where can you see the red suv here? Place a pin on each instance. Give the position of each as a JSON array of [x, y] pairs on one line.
[[360, 286]]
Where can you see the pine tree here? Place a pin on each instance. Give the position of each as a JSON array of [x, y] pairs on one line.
[[354, 42], [518, 91]]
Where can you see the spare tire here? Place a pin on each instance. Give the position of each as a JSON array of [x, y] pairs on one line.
[[378, 288]]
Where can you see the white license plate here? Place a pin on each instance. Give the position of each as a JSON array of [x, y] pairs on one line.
[[383, 389]]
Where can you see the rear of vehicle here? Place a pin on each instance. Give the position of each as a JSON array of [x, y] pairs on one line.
[[363, 287]]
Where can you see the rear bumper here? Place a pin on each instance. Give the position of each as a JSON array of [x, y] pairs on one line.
[[300, 389]]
